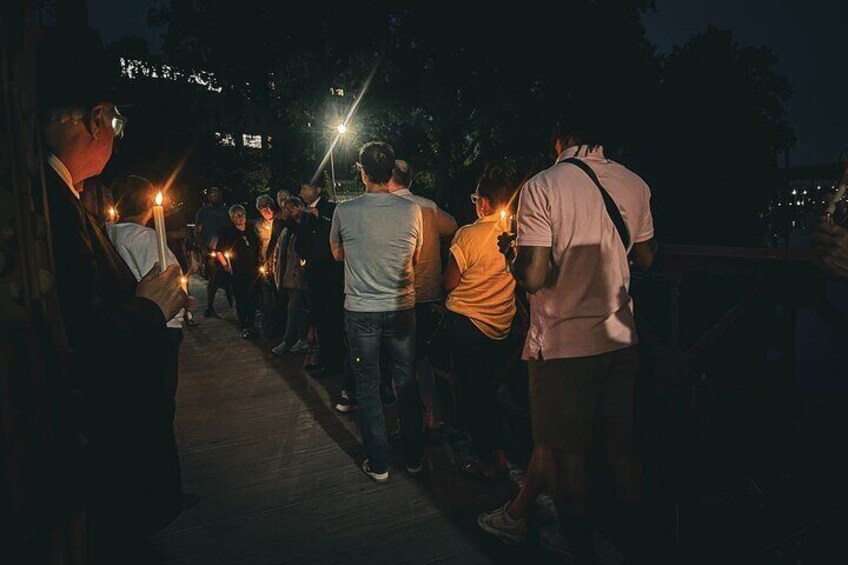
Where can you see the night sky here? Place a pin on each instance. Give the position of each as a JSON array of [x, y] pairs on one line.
[[805, 35]]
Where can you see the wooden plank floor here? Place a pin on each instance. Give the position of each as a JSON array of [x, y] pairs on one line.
[[275, 466]]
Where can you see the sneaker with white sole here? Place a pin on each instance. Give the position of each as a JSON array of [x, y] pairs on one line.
[[281, 349], [499, 523], [377, 477], [415, 468], [346, 403], [299, 347]]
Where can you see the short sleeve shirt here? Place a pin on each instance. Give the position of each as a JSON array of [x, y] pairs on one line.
[[586, 309], [381, 235], [486, 291]]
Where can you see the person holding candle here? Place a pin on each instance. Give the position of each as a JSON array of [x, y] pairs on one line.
[[481, 307], [238, 255], [209, 221], [138, 246], [109, 407], [579, 223], [269, 228]]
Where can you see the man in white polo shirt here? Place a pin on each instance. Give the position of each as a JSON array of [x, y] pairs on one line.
[[378, 236], [572, 258]]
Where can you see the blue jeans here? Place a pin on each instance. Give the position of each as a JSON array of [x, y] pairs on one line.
[[394, 332]]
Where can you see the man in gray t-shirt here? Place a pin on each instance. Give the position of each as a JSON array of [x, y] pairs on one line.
[[379, 236]]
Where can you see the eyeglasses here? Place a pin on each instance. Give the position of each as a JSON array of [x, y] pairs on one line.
[[119, 123], [474, 198]]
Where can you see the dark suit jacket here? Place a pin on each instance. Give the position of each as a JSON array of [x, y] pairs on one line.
[[116, 342], [314, 245]]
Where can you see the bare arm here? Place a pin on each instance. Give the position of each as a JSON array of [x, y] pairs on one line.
[[531, 267], [451, 276], [644, 253], [338, 250]]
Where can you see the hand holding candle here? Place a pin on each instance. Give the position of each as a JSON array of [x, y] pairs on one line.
[[161, 235]]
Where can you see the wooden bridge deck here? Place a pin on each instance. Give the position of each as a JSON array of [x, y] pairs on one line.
[[275, 466]]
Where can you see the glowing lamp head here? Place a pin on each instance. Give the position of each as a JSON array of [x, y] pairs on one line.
[[159, 198], [342, 129]]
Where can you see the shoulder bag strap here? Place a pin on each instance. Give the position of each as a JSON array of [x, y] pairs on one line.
[[609, 203]]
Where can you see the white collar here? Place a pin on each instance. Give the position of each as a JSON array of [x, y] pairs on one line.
[[63, 172], [315, 204], [402, 192], [582, 151]]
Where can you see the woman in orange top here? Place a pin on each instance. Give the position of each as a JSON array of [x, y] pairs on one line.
[[481, 307]]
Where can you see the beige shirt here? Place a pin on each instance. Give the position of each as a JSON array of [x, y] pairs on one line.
[[436, 224], [486, 291], [586, 310]]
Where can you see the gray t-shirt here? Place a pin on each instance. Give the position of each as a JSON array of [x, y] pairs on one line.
[[381, 236]]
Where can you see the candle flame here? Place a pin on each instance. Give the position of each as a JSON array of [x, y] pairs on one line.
[[503, 214], [112, 211], [262, 270], [159, 198], [227, 254], [183, 280], [212, 254]]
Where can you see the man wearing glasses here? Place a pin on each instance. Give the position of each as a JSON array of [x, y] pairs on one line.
[[115, 327]]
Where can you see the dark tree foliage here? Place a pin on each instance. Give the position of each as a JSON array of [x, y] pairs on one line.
[[457, 88]]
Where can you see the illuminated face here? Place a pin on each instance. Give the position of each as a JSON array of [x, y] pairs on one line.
[[239, 221], [267, 214], [111, 127]]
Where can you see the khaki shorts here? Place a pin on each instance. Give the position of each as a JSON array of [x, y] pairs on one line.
[[572, 400]]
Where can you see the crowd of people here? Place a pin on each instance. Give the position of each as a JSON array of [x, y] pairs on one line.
[[379, 278]]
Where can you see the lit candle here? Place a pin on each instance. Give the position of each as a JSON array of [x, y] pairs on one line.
[[159, 222], [184, 283], [262, 270], [113, 214]]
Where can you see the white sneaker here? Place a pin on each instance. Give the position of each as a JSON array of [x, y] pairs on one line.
[[377, 477], [300, 346], [500, 524], [281, 349]]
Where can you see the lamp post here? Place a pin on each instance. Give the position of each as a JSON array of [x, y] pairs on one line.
[[341, 129]]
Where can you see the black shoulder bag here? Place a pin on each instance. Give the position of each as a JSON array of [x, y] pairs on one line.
[[609, 203]]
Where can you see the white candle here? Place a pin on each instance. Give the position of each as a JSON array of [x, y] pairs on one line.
[[159, 222]]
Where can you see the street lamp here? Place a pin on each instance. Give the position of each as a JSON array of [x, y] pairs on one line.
[[342, 129]]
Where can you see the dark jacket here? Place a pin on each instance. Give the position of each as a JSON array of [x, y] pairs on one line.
[[114, 339], [244, 246], [313, 241]]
